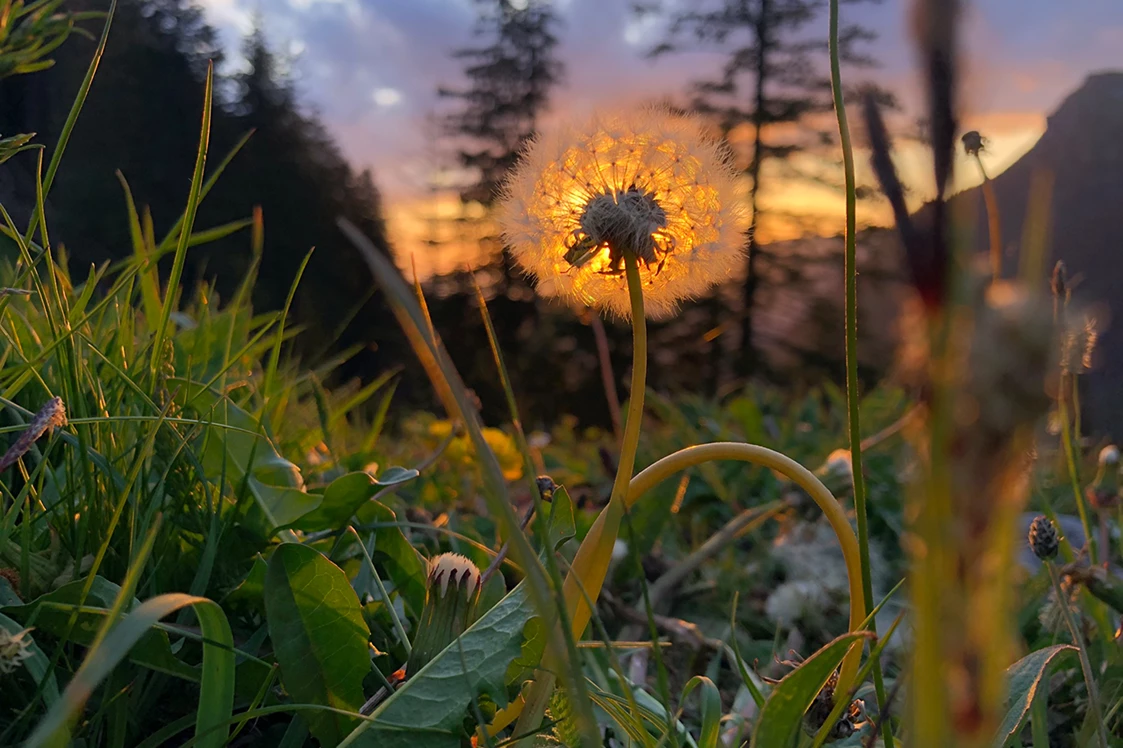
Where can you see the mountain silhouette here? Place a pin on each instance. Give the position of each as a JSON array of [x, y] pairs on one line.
[[1082, 151]]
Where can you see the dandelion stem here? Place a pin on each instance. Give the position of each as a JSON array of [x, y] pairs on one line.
[[590, 566], [591, 563], [805, 479], [994, 227], [1082, 650], [852, 409]]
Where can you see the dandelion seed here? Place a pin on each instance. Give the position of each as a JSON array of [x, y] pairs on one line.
[[51, 415], [648, 183], [14, 649]]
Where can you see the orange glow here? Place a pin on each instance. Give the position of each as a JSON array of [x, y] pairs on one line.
[[647, 182], [444, 236]]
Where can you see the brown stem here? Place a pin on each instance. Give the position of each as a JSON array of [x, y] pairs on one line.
[[606, 373]]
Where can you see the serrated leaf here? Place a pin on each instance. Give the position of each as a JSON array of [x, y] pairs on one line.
[[782, 715], [429, 709], [319, 636], [1023, 679]]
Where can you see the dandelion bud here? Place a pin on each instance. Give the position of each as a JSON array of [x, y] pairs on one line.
[[450, 602], [1043, 539], [972, 143], [546, 487]]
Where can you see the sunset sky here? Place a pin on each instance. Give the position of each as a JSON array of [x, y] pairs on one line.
[[372, 67]]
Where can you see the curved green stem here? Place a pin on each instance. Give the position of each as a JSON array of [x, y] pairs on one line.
[[805, 479], [852, 409]]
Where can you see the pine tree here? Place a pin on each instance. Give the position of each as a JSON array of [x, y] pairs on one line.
[[509, 83], [776, 73]]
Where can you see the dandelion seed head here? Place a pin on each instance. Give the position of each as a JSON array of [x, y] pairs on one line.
[[649, 183]]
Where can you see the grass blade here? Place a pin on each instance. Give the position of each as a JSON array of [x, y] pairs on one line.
[[188, 222]]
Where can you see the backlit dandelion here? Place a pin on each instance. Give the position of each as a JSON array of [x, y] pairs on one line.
[[649, 183]]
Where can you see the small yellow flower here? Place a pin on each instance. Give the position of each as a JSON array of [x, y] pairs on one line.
[[649, 183], [502, 445]]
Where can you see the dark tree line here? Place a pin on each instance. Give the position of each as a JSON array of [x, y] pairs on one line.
[[142, 118]]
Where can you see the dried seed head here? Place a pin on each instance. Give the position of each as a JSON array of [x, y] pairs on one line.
[[820, 711], [1043, 540], [1091, 337], [50, 416], [14, 649]]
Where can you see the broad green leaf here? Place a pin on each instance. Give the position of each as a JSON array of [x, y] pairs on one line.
[[51, 613], [216, 688], [37, 664], [429, 709], [250, 590], [711, 709], [342, 498], [319, 636], [1023, 679], [394, 553], [782, 714], [562, 525], [346, 494]]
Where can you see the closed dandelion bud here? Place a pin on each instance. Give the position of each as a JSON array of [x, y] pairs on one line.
[[972, 143], [450, 602], [546, 487], [1043, 539], [1103, 491]]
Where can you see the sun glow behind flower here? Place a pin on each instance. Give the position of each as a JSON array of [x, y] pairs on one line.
[[649, 183]]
